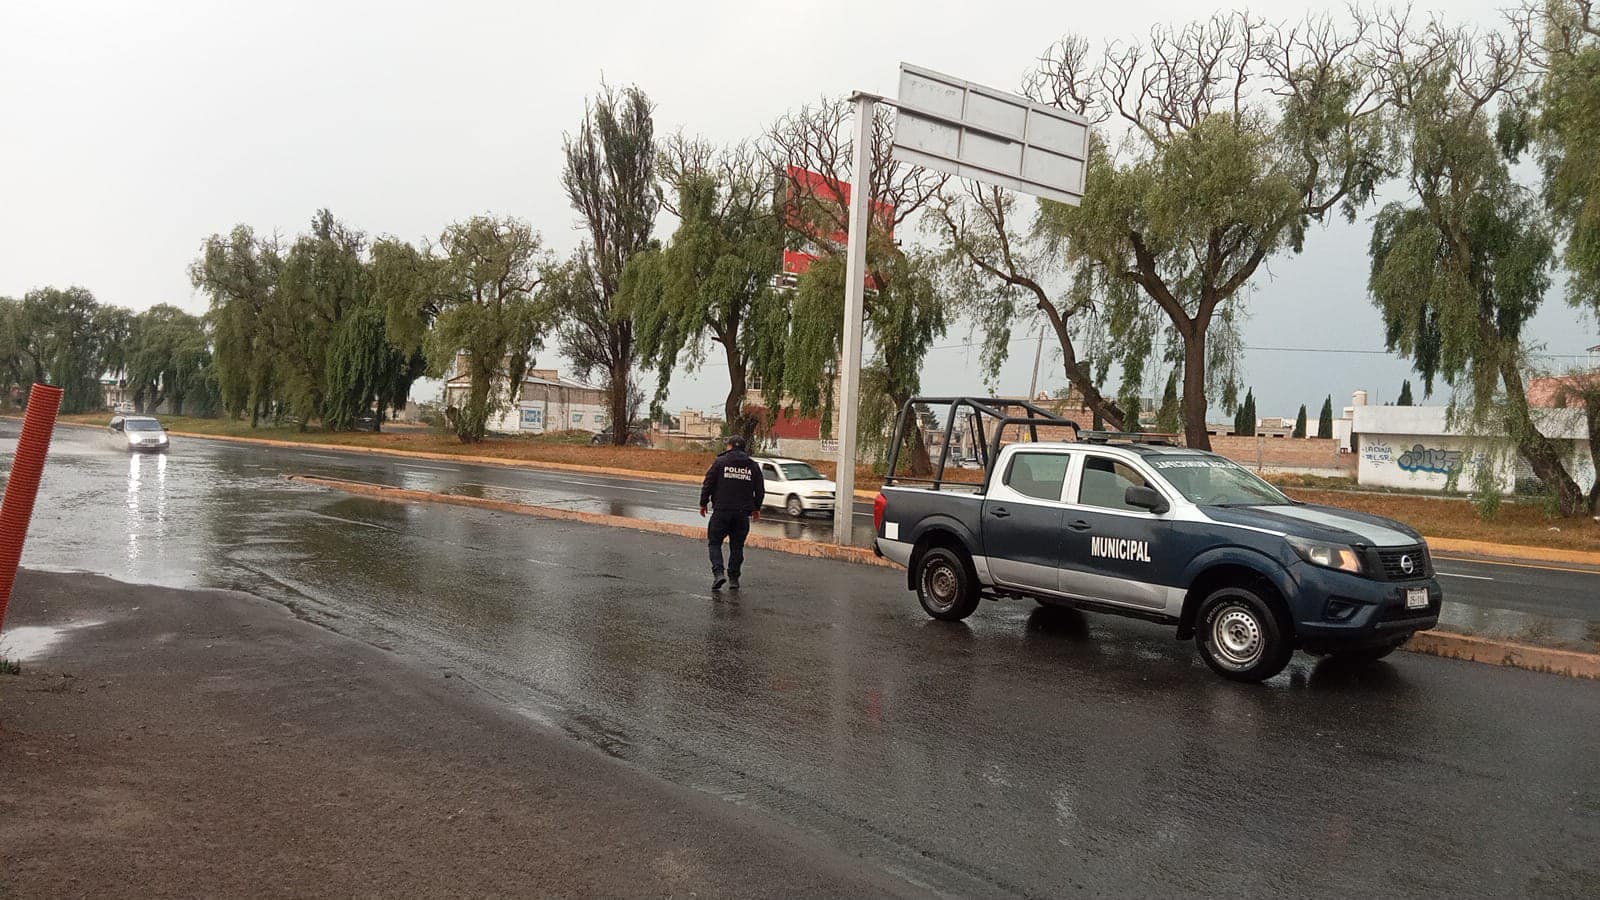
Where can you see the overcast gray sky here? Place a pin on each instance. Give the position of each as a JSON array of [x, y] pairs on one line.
[[129, 132]]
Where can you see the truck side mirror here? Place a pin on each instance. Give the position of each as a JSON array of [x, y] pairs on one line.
[[1142, 497]]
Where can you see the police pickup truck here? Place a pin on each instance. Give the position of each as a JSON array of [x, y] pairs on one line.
[[1157, 532]]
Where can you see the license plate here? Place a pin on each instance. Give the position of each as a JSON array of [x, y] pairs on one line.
[[1416, 598]]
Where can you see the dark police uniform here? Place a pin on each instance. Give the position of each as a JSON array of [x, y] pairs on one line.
[[734, 489]]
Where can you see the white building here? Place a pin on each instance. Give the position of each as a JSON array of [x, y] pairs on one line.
[[1415, 447], [547, 402]]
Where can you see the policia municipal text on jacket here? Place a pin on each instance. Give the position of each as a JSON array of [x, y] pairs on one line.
[[734, 489]]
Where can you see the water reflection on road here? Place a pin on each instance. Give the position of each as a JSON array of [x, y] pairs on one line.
[[1026, 751]]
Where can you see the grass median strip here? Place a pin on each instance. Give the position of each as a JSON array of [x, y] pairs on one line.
[[1449, 645]]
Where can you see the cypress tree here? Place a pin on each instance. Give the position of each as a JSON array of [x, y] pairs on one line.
[[1300, 422], [1405, 394], [1325, 421]]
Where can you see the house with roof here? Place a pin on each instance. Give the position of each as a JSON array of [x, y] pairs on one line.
[[547, 402]]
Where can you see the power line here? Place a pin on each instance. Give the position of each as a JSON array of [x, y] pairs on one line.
[[968, 345]]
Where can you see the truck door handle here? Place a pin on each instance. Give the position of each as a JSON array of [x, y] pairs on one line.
[[999, 512], [1079, 525]]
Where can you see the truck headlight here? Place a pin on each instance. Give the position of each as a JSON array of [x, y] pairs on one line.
[[1327, 555]]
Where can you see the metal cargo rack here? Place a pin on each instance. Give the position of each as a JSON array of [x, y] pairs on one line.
[[976, 410]]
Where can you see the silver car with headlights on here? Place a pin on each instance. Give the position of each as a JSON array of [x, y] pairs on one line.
[[137, 433]]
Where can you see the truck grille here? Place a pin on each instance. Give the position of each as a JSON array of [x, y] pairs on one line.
[[1392, 562]]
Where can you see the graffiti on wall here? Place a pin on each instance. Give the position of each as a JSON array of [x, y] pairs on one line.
[[1423, 459]]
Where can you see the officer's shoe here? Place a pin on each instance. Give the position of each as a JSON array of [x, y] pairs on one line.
[[733, 582], [718, 581]]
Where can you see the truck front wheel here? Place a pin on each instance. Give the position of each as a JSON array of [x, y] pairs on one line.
[[1240, 636], [945, 585]]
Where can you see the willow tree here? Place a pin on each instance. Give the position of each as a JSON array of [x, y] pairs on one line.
[[72, 351], [610, 182], [168, 358], [1462, 264], [799, 343], [715, 274], [239, 274], [1566, 122], [323, 280], [1232, 136], [485, 306], [21, 363]]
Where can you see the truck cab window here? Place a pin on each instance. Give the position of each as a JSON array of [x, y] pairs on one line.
[[1106, 481], [1038, 475]]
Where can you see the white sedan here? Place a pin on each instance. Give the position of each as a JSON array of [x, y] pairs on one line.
[[795, 487], [137, 433]]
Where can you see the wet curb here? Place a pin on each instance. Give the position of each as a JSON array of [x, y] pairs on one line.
[[1471, 648], [1446, 644], [782, 545]]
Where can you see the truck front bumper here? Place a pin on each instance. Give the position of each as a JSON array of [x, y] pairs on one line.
[[1338, 610]]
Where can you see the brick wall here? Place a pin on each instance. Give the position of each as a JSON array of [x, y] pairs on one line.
[[1301, 452]]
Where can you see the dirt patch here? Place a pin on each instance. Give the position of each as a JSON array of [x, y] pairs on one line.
[[211, 744]]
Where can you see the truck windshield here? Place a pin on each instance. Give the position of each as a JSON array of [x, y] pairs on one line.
[[1214, 481], [800, 472]]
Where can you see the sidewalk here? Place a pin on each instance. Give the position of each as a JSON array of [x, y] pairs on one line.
[[201, 743]]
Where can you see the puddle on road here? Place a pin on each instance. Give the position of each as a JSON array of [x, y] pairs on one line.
[[1523, 627], [29, 642]]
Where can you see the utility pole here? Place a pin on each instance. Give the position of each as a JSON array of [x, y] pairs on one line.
[[1033, 383], [855, 285]]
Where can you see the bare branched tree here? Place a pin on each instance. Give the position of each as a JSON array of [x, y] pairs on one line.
[[1236, 135]]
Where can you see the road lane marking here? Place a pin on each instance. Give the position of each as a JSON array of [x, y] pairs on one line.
[[501, 487], [324, 456], [348, 521], [1491, 563], [617, 487], [1459, 575], [429, 468]]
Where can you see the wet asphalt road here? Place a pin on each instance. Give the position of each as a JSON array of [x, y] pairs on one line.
[[1026, 752], [1541, 603]]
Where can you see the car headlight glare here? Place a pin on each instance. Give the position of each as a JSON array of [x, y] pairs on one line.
[[1326, 554]]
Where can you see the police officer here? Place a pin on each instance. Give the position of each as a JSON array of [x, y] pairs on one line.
[[734, 489]]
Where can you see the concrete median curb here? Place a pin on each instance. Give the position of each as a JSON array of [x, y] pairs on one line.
[[1472, 648], [1449, 645], [782, 545]]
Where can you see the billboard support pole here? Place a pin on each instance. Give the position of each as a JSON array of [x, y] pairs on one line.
[[855, 283]]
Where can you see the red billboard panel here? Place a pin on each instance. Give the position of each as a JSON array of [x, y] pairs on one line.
[[807, 186]]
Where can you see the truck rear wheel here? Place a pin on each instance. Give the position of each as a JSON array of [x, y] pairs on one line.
[[1240, 636], [945, 586]]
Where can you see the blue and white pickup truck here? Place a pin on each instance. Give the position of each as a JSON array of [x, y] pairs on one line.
[[1157, 532]]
